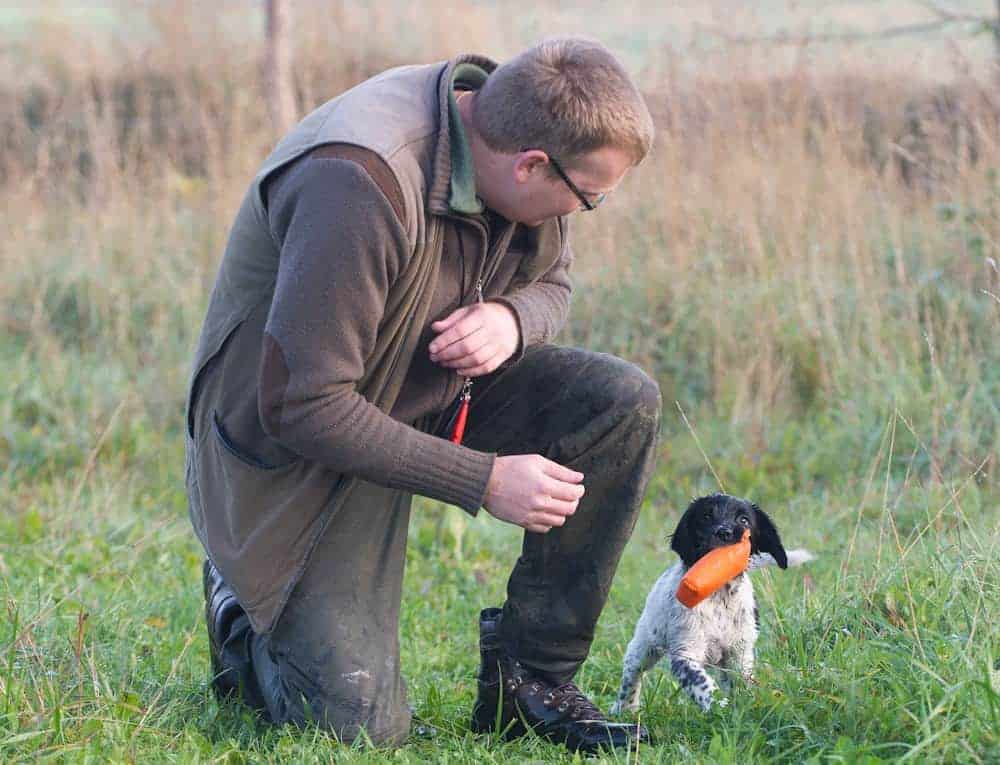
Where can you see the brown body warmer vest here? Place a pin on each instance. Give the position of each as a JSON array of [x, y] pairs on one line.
[[260, 521]]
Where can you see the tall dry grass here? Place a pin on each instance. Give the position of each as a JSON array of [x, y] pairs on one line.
[[801, 243]]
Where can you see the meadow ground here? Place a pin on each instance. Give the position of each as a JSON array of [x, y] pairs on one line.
[[807, 265]]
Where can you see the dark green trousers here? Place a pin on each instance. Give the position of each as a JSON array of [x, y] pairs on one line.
[[333, 656]]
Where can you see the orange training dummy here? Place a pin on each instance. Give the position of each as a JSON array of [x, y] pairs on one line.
[[713, 570]]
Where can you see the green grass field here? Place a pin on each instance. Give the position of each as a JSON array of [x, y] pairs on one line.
[[884, 648], [807, 264]]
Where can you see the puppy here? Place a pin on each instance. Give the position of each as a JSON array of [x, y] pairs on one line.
[[721, 630]]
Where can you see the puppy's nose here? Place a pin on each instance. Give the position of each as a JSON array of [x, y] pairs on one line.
[[725, 533]]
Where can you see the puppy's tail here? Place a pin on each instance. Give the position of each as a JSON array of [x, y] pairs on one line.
[[795, 558]]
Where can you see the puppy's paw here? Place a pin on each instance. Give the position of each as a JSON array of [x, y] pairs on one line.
[[705, 692]]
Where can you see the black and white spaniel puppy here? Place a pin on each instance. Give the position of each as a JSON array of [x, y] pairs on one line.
[[721, 630]]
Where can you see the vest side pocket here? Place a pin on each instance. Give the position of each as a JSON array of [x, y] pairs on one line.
[[257, 519], [220, 433]]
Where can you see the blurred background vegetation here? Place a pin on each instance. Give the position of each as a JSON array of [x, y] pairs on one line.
[[816, 231]]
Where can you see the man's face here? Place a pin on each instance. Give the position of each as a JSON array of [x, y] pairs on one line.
[[538, 194]]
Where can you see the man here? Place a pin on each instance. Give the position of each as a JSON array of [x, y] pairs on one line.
[[408, 240]]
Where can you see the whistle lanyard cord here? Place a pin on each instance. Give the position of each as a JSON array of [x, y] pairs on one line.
[[466, 395], [462, 417]]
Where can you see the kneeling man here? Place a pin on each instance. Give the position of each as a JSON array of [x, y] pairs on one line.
[[404, 251]]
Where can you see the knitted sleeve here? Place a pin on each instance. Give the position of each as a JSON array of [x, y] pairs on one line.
[[342, 245]]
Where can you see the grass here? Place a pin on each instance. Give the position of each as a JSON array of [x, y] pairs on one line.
[[807, 265], [884, 648]]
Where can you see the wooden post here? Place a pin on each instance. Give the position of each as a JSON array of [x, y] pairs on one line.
[[996, 41], [280, 98]]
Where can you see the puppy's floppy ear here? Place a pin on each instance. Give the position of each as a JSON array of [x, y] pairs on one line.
[[767, 539], [682, 541]]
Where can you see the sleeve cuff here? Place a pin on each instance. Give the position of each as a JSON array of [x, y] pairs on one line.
[[529, 325], [449, 472]]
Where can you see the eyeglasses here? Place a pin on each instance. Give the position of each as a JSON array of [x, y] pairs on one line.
[[587, 204]]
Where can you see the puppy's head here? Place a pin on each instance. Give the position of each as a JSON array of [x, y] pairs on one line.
[[719, 520]]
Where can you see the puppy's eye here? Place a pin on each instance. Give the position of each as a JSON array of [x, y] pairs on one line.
[[707, 515], [744, 520]]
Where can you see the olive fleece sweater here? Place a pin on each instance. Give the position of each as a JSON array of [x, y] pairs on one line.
[[342, 244]]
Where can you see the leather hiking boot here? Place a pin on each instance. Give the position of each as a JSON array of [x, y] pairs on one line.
[[512, 698], [221, 610], [489, 691]]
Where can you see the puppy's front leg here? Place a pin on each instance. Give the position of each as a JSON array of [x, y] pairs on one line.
[[694, 680], [737, 660], [639, 657], [745, 660]]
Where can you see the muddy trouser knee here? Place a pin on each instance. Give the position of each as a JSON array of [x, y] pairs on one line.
[[593, 413], [333, 657]]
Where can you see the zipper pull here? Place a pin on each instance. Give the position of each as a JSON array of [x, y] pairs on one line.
[[479, 291]]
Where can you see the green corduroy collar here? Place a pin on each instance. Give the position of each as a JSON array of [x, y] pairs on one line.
[[462, 196]]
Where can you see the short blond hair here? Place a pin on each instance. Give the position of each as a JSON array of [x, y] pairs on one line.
[[566, 96]]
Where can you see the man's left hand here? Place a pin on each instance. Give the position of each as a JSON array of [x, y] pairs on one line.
[[476, 339]]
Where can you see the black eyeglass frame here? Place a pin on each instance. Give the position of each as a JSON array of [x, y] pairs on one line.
[[587, 204]]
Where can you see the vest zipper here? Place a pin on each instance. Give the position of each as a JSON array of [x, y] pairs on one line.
[[458, 430], [466, 395]]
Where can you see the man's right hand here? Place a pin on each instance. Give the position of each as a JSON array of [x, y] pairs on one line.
[[532, 492]]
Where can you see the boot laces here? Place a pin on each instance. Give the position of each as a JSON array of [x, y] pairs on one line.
[[567, 697]]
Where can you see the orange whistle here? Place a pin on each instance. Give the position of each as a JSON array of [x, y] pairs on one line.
[[713, 570], [463, 415]]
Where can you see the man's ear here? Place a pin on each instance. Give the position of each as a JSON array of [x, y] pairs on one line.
[[528, 162], [766, 539], [682, 540]]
